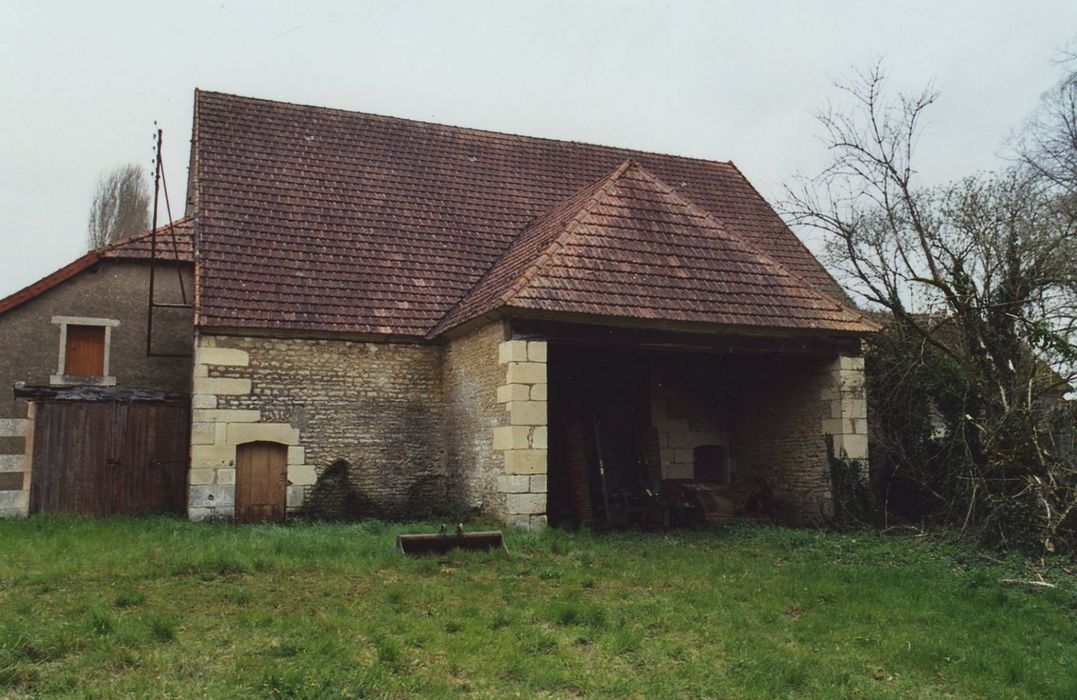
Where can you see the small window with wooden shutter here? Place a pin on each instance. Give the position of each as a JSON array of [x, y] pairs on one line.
[[84, 351]]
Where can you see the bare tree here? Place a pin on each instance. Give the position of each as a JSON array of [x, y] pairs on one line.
[[1048, 144], [121, 206], [994, 254]]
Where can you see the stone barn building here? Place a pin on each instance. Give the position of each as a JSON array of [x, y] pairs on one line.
[[444, 309], [527, 327]]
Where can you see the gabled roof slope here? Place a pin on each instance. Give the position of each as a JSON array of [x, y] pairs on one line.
[[133, 248], [325, 220], [630, 246]]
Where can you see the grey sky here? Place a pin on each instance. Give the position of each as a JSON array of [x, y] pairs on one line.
[[82, 83]]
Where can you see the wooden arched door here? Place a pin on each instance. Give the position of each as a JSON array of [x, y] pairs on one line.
[[261, 482]]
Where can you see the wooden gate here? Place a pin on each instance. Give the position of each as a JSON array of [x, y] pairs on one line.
[[261, 482], [109, 455]]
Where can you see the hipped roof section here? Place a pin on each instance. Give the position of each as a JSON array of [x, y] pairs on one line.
[[316, 219], [629, 246]]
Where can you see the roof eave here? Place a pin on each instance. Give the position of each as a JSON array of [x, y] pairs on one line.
[[508, 311], [312, 334], [50, 281]]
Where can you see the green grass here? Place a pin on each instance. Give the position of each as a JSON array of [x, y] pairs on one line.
[[167, 608]]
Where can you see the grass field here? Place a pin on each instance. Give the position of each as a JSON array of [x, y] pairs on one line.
[[168, 608]]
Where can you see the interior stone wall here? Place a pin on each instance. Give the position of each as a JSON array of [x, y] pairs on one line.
[[784, 414], [689, 407]]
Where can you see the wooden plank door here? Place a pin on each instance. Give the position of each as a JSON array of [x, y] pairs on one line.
[[109, 457], [149, 449], [71, 458], [261, 482]]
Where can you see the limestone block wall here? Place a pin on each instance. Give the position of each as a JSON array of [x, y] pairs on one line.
[[689, 407], [375, 405], [17, 435], [846, 399], [522, 435], [217, 428]]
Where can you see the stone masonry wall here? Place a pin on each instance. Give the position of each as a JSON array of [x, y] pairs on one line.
[[777, 434], [375, 405], [466, 424], [470, 378], [782, 419]]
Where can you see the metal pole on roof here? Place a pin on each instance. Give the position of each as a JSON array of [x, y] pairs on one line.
[[153, 245], [171, 226], [160, 186]]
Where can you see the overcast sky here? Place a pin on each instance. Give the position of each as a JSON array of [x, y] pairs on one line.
[[81, 84]]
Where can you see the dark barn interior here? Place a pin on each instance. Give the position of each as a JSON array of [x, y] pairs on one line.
[[614, 463], [599, 415], [656, 429]]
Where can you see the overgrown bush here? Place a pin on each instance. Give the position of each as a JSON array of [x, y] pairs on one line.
[[854, 504], [929, 464], [334, 497]]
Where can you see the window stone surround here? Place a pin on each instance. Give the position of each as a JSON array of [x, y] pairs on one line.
[[62, 379]]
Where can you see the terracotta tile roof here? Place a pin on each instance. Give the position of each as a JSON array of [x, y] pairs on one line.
[[630, 246], [133, 248], [171, 242], [326, 220]]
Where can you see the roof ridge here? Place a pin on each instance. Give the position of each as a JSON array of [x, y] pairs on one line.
[[477, 130], [762, 255], [599, 186]]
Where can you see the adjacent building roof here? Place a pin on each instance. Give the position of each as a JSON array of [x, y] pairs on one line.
[[169, 247], [326, 220], [173, 242]]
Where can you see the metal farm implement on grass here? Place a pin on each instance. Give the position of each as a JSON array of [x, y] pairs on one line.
[[444, 541]]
